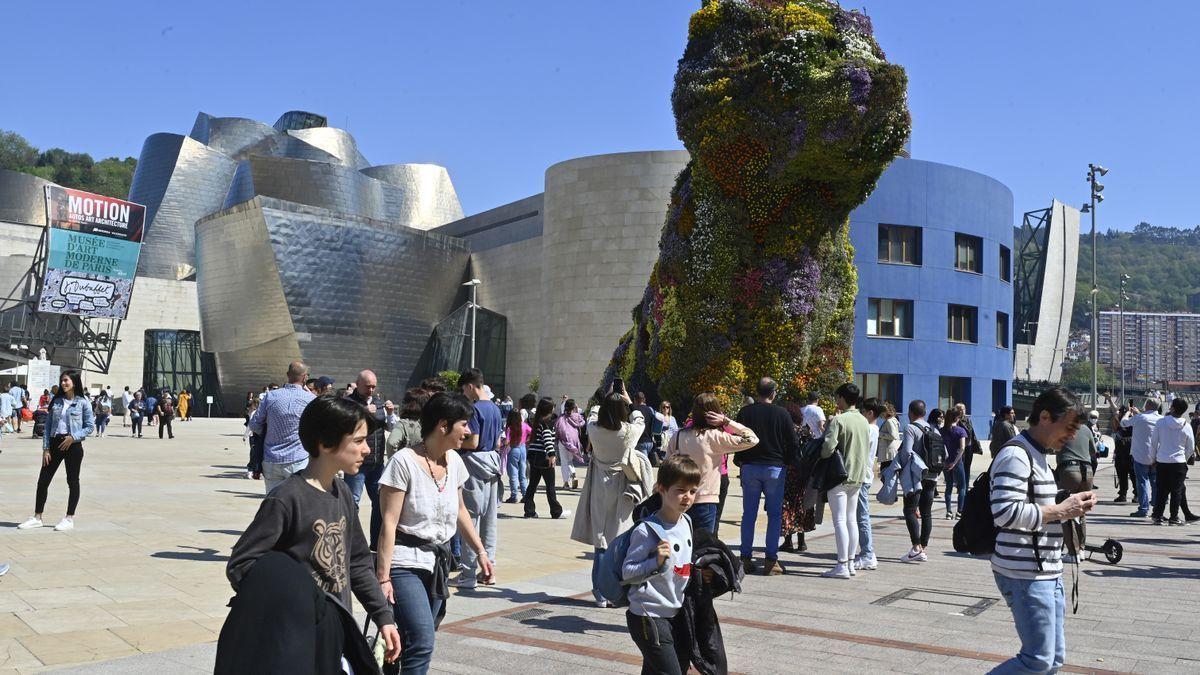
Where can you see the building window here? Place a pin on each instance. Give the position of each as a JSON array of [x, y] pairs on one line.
[[889, 318], [968, 253], [954, 390], [1002, 330], [999, 395], [883, 386], [1005, 263], [899, 244], [961, 322]]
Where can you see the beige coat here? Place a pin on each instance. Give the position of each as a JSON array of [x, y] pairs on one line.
[[618, 478]]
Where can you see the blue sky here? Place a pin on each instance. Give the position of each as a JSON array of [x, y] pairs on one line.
[[1028, 92]]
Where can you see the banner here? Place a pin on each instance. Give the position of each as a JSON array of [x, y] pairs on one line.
[[94, 246]]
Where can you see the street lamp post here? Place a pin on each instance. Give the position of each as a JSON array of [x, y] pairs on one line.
[[1121, 312], [1095, 170], [474, 284]]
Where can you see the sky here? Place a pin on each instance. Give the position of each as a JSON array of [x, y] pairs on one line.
[[1028, 92]]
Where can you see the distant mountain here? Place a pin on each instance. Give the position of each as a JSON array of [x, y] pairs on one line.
[[1163, 263], [110, 177]]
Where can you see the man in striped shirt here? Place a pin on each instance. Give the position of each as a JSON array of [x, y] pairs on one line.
[[1027, 563]]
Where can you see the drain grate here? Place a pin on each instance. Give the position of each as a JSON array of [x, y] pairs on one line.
[[964, 604], [526, 614]]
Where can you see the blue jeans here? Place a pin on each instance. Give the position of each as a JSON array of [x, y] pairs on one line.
[[516, 471], [704, 516], [596, 573], [356, 483], [758, 479], [864, 523], [415, 610], [372, 475], [956, 478], [1147, 486], [1039, 611]]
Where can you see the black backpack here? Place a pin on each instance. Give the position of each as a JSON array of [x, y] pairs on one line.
[[933, 450], [976, 531]]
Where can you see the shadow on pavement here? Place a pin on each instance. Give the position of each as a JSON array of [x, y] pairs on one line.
[[566, 623], [247, 495], [1145, 572], [201, 554], [232, 533]]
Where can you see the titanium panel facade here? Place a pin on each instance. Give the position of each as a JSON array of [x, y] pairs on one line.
[[337, 142], [270, 291], [428, 198], [22, 198], [341, 189], [180, 180]]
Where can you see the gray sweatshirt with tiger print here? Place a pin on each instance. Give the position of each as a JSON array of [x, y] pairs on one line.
[[321, 531]]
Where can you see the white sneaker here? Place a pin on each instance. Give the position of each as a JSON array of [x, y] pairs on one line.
[[949, 515], [839, 571], [65, 525], [603, 604], [564, 514], [911, 557], [464, 580], [33, 522], [921, 557], [866, 563]]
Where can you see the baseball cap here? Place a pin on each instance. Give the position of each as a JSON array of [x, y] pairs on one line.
[[487, 393], [324, 381]]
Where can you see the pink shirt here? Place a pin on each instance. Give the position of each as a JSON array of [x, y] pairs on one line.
[[709, 449]]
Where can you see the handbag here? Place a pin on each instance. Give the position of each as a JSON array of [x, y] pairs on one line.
[[830, 472]]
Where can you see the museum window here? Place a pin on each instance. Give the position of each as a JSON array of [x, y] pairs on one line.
[[961, 323], [1005, 263], [889, 318], [883, 386], [954, 390], [968, 253], [899, 244], [1002, 330]]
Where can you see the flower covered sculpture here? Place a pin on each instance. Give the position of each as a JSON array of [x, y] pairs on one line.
[[790, 112]]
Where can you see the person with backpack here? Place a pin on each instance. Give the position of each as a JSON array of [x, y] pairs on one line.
[[658, 566], [921, 440], [1027, 562], [955, 438]]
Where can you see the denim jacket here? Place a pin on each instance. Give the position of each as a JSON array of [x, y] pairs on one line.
[[80, 420]]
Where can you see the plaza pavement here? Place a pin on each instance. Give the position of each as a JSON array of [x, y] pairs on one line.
[[139, 586]]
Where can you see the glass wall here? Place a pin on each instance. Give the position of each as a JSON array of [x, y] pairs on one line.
[[173, 360]]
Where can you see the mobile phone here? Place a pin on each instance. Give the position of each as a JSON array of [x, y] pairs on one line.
[[618, 385]]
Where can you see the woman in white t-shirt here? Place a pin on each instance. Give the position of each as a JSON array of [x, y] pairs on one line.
[[421, 494]]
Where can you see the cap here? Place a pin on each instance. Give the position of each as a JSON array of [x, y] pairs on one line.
[[1094, 415], [487, 393], [324, 381]]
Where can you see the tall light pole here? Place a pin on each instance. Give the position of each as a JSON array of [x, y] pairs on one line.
[[474, 284], [1121, 312], [1095, 170]]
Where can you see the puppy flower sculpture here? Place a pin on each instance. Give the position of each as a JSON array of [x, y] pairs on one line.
[[790, 112]]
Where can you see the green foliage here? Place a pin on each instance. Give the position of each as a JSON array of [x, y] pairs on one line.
[[1078, 376], [1163, 264], [110, 177], [535, 383], [450, 379]]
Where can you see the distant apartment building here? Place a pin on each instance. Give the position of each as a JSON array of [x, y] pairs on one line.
[[1157, 346]]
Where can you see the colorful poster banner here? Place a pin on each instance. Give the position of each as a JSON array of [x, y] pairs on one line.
[[94, 246]]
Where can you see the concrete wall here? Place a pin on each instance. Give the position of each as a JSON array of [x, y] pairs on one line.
[[156, 304], [604, 216], [512, 286], [941, 200], [1045, 359]]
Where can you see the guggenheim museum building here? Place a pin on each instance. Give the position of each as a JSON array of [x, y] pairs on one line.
[[269, 243]]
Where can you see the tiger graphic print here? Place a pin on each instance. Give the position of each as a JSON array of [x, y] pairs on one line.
[[329, 555]]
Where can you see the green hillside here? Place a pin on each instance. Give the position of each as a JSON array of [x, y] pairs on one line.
[[110, 177], [1163, 263]]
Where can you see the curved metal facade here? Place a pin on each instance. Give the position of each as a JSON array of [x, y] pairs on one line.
[[942, 201], [329, 186], [270, 291], [22, 198], [337, 142], [180, 180], [428, 198]]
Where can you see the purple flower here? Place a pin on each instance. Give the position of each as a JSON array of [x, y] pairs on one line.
[[775, 272], [860, 82], [853, 21], [801, 288]]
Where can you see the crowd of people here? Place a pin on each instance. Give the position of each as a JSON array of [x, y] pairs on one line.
[[434, 469]]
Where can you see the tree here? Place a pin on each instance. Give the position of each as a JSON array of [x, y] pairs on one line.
[[1078, 375], [111, 177]]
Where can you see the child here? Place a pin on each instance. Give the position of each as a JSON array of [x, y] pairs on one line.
[[307, 529], [665, 566]]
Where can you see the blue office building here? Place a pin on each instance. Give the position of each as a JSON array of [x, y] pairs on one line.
[[933, 316]]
